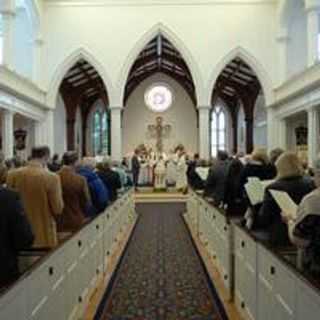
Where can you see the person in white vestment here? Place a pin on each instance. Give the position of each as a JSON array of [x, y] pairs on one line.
[[171, 175], [182, 181], [160, 175]]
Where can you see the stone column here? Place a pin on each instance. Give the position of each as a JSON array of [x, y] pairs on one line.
[[313, 10], [204, 131], [8, 18], [313, 135], [43, 131], [7, 133], [116, 132], [282, 40]]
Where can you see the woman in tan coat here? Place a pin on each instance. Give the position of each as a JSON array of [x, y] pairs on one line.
[[75, 193]]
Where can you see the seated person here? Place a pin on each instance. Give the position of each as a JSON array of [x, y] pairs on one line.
[[109, 177], [194, 179], [274, 156], [75, 194], [233, 197], [290, 180], [304, 232], [216, 181], [258, 166], [15, 235], [98, 192]]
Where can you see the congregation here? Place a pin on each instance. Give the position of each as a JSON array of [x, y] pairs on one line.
[[280, 171], [46, 199]]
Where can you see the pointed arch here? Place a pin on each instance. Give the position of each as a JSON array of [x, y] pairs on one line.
[[251, 61], [179, 45], [68, 63]]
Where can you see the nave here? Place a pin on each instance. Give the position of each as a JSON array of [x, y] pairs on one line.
[[161, 275]]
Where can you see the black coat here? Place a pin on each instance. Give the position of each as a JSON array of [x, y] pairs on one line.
[[194, 179], [269, 217], [216, 181], [15, 234], [112, 182]]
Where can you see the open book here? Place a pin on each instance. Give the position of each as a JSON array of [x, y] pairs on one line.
[[288, 207], [255, 189], [202, 172]]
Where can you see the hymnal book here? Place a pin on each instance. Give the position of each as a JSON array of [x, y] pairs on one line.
[[203, 172], [255, 189], [288, 207]]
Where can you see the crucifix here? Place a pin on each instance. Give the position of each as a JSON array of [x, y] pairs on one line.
[[159, 131]]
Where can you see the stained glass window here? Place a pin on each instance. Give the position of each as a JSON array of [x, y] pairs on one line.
[[218, 130], [100, 132], [159, 97]]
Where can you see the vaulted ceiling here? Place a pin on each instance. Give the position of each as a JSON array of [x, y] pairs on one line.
[[160, 55], [236, 82], [84, 82]]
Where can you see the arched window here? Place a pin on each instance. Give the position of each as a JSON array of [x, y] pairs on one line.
[[218, 130], [1, 39], [100, 132]]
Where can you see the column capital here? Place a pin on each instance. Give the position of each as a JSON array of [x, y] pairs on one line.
[[116, 108], [204, 107]]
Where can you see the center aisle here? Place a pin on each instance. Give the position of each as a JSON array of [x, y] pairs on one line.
[[161, 276]]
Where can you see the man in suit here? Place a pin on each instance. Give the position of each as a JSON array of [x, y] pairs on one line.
[[135, 165], [15, 234], [41, 195], [75, 193]]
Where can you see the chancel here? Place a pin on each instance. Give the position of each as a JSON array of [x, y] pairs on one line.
[[159, 159]]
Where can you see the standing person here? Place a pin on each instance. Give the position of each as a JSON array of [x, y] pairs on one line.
[[182, 182], [109, 177], [54, 165], [75, 193], [41, 195], [98, 192], [135, 165], [15, 235]]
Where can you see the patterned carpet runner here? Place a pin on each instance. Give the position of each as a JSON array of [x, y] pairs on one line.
[[160, 276]]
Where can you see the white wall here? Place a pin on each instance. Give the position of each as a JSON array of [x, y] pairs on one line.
[[204, 33], [182, 116], [23, 46], [297, 43], [60, 127]]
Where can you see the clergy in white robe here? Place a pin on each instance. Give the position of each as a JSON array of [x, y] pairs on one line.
[[160, 175], [182, 181]]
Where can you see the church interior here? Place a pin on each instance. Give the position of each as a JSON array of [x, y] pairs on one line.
[[159, 159]]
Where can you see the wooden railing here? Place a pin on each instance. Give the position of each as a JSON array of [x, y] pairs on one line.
[[264, 282], [59, 285]]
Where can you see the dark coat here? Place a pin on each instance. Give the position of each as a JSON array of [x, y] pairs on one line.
[[15, 234], [261, 171], [216, 181], [98, 192], [194, 179], [112, 182], [269, 216], [76, 199]]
